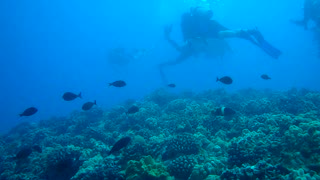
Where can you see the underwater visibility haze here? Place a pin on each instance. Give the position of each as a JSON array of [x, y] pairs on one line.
[[146, 89]]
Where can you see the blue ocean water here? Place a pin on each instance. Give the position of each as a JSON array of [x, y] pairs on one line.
[[50, 47]]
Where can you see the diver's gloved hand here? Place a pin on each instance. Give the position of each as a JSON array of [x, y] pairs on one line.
[[167, 31]]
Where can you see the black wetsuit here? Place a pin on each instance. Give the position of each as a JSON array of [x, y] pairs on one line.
[[193, 27], [203, 27]]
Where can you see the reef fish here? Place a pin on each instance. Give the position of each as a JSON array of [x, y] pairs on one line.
[[29, 112], [225, 80], [88, 105], [23, 153], [123, 142], [172, 85], [119, 83], [224, 111], [69, 96], [265, 77], [133, 109]]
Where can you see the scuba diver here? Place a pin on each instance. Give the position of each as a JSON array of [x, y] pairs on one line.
[[211, 47], [311, 12], [120, 56], [198, 29]]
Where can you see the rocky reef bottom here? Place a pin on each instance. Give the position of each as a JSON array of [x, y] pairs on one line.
[[269, 135]]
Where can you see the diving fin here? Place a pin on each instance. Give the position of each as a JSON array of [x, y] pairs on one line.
[[258, 40], [269, 49]]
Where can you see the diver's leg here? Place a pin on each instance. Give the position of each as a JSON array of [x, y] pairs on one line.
[[174, 44], [182, 57], [229, 33], [255, 37]]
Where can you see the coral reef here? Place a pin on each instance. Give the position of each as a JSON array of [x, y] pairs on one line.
[[273, 135], [262, 170]]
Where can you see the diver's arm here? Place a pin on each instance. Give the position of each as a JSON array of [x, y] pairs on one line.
[[173, 44], [182, 57], [167, 31]]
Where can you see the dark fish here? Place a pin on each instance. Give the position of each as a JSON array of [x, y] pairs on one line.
[[133, 109], [69, 96], [225, 80], [172, 85], [119, 83], [37, 148], [88, 105], [120, 144], [23, 153], [224, 111], [265, 77], [29, 112]]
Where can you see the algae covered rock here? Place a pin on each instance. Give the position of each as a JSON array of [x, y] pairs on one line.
[[146, 168], [98, 168], [63, 162], [135, 152], [199, 172], [89, 169]]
